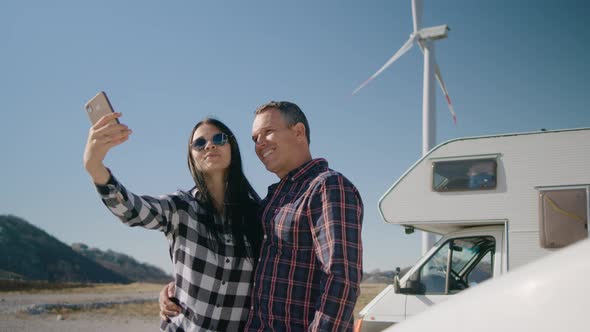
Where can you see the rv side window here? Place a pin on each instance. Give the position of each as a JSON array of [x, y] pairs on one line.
[[459, 175], [433, 273], [470, 262], [483, 270], [562, 217]]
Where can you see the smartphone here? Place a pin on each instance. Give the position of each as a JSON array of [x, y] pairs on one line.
[[99, 106]]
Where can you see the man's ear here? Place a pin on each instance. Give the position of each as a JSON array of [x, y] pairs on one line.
[[300, 131]]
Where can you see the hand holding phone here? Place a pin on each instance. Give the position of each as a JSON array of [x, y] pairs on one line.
[[103, 136]]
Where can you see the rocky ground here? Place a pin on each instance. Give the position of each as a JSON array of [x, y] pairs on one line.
[[86, 310], [86, 322]]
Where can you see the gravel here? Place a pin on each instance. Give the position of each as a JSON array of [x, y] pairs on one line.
[[76, 322], [31, 312]]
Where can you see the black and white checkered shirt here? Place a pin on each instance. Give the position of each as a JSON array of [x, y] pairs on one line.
[[213, 287]]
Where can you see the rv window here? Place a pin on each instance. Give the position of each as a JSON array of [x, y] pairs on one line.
[[470, 261], [432, 275], [460, 175], [562, 217], [483, 270]]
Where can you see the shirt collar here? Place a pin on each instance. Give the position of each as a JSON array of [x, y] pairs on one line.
[[309, 167]]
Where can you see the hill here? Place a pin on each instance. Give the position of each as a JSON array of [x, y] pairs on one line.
[[33, 254], [379, 277], [30, 253], [123, 264]]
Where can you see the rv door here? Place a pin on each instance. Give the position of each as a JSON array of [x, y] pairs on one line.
[[459, 262]]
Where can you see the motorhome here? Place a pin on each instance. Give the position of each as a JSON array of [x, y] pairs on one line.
[[497, 202]]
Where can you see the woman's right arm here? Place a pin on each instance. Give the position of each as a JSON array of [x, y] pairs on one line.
[[146, 211]]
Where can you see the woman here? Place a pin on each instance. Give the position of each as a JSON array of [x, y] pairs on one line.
[[213, 229]]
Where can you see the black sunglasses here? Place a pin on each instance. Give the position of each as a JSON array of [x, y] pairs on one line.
[[218, 139]]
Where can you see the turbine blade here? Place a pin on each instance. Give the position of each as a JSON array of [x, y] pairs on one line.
[[417, 14], [406, 47], [441, 83]]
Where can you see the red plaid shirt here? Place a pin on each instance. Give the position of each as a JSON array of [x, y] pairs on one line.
[[310, 267]]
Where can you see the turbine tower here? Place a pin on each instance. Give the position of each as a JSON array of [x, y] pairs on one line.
[[425, 38]]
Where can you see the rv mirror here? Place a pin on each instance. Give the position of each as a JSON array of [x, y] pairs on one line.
[[412, 287], [396, 288], [409, 230]]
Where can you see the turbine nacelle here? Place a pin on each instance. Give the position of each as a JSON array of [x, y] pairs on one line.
[[433, 33]]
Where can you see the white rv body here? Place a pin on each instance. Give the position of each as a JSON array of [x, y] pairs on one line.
[[539, 297], [506, 216]]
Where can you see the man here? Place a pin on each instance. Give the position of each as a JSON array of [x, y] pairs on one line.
[[310, 266]]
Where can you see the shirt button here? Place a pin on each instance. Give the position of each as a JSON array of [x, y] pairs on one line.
[[252, 308], [265, 236], [223, 282], [259, 259], [227, 260]]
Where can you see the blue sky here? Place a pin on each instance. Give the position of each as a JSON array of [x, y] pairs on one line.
[[509, 66]]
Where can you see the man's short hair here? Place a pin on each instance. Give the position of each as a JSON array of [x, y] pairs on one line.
[[290, 112]]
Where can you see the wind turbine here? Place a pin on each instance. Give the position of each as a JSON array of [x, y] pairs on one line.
[[425, 38]]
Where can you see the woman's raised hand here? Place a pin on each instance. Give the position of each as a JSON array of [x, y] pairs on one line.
[[103, 136]]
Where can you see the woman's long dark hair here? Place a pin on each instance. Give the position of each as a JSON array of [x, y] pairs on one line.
[[240, 204]]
